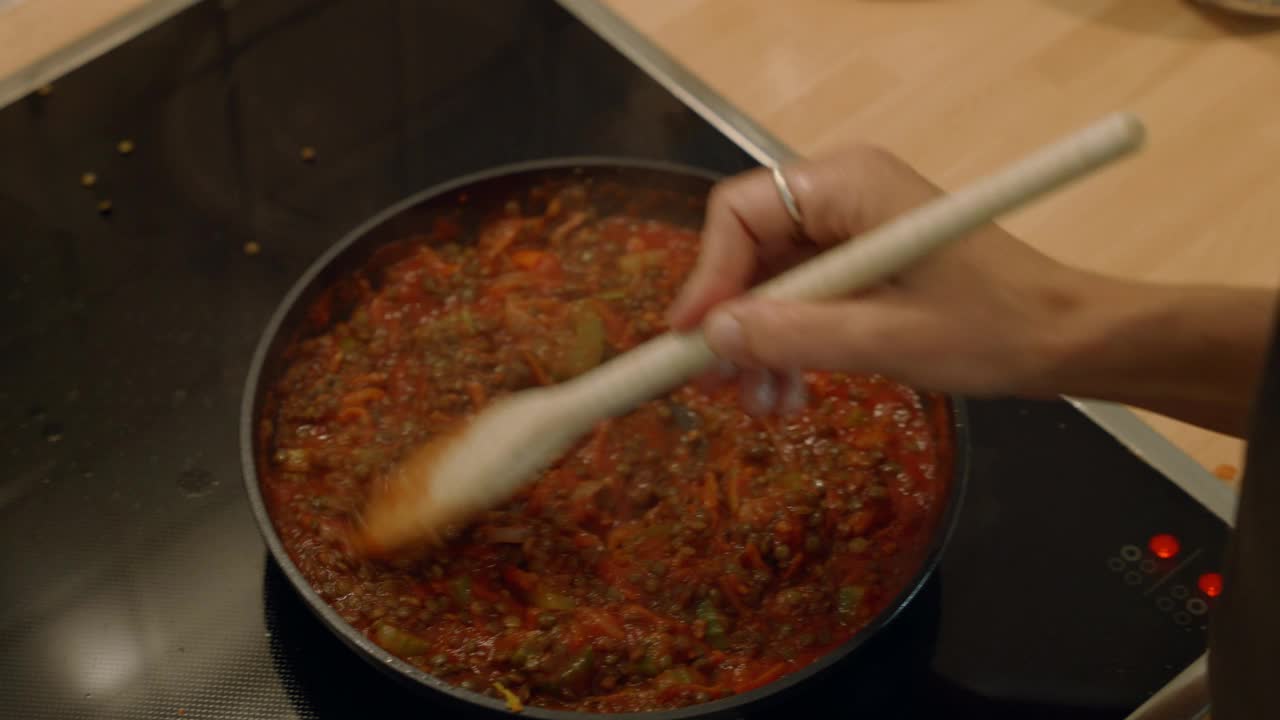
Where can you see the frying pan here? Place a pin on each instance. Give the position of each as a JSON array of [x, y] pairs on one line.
[[658, 190]]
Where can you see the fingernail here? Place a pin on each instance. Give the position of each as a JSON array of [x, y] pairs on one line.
[[724, 335], [796, 394]]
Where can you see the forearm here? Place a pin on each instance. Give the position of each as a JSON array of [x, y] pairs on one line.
[[1194, 353]]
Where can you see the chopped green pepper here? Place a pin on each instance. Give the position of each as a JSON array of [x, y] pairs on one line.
[[294, 459], [674, 676], [637, 262], [717, 634], [848, 599], [793, 480], [586, 348], [648, 665], [460, 588], [397, 641]]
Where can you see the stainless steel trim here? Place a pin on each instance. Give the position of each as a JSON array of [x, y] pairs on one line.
[[103, 39], [1181, 469], [754, 140], [1139, 437]]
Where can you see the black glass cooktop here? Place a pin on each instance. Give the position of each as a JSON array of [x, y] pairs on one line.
[[135, 582]]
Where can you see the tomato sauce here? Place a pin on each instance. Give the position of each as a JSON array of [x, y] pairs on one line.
[[681, 553]]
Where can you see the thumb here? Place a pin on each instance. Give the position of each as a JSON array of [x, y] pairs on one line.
[[850, 335]]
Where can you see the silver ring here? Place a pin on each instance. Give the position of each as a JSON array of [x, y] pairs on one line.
[[788, 199]]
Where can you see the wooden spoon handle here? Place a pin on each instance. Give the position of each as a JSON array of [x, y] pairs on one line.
[[667, 361]]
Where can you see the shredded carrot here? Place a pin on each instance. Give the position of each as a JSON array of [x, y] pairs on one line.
[[513, 701], [752, 555], [335, 361], [500, 237], [763, 678], [519, 579], [640, 611], [475, 391], [871, 438], [796, 562], [574, 221], [732, 591], [364, 395], [619, 535], [861, 521], [710, 492], [353, 413], [436, 264], [369, 378], [530, 259], [733, 488], [598, 448], [538, 373]]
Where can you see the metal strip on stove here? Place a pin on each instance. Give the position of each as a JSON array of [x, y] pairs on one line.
[[102, 40], [1142, 440], [1120, 422], [1186, 695]]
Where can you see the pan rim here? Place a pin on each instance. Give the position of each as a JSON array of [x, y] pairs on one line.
[[405, 672]]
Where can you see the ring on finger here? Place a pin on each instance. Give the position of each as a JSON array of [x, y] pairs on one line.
[[788, 197]]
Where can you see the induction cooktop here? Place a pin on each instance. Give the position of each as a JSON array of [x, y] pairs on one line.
[[157, 203]]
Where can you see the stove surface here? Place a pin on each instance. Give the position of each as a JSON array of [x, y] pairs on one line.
[[136, 584]]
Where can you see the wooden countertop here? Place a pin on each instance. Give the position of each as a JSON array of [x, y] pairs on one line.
[[43, 39], [956, 87]]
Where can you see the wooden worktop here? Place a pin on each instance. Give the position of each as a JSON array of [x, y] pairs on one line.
[[957, 87]]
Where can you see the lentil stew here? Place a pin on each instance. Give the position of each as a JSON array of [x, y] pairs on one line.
[[683, 552]]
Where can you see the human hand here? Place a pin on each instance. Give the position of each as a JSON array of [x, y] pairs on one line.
[[985, 315]]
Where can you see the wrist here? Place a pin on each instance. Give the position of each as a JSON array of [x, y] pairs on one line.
[[1191, 352]]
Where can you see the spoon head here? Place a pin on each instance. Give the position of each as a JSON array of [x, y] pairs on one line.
[[402, 509], [482, 463]]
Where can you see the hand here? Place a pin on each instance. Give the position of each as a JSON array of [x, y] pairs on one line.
[[987, 315], [981, 316]]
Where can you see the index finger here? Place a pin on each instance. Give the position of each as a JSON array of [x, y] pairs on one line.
[[747, 228]]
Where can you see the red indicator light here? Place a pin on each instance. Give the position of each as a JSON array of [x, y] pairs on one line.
[[1210, 584], [1164, 546]]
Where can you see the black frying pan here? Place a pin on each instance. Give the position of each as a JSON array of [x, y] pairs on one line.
[[668, 192]]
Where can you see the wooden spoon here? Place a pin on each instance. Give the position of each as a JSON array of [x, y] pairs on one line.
[[487, 459]]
